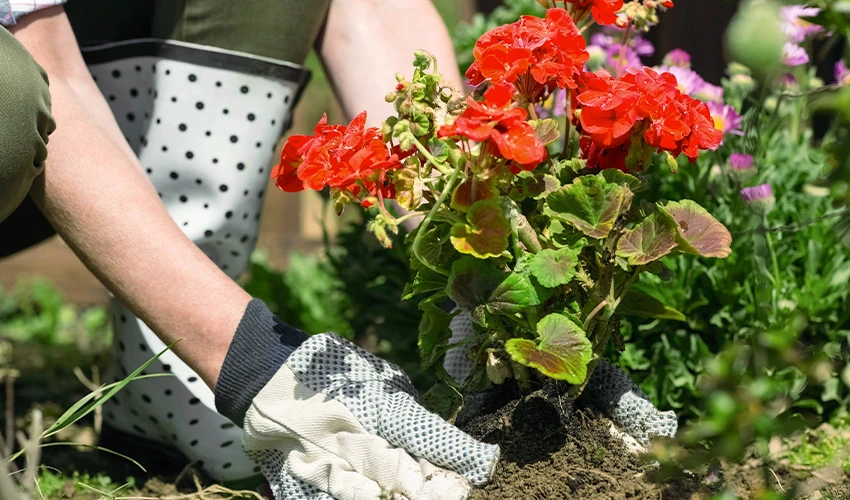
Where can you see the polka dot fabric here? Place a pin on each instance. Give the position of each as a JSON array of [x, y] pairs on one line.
[[457, 361], [382, 398], [629, 407], [205, 137]]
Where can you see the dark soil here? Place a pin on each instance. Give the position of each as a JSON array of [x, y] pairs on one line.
[[553, 448]]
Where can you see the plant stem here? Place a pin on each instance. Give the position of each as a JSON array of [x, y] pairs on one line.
[[774, 262], [527, 235], [593, 313], [408, 215], [428, 156], [567, 151], [427, 222], [622, 58], [383, 209]]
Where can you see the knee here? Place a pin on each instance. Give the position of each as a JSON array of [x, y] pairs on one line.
[[25, 122]]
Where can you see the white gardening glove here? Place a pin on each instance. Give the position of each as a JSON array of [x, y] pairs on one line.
[[338, 422], [609, 388]]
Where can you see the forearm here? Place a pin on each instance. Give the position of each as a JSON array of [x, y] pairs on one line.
[[366, 42], [101, 203]]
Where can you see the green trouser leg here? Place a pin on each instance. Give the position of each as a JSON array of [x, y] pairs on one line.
[[25, 122], [278, 29]]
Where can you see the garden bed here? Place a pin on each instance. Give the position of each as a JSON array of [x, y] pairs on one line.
[[554, 447]]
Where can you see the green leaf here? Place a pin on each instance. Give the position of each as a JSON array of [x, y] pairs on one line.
[[590, 203], [534, 185], [486, 233], [546, 130], [408, 188], [637, 303], [472, 281], [425, 281], [444, 400], [438, 149], [464, 197], [435, 246], [562, 351], [652, 238], [433, 331], [698, 232], [515, 293], [619, 177], [554, 267]]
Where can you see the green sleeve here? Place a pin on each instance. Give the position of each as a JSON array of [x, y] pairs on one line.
[[25, 122]]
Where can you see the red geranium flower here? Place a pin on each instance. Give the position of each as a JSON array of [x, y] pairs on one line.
[[642, 102], [353, 159], [609, 110], [603, 11], [604, 158], [677, 121], [534, 54], [495, 120]]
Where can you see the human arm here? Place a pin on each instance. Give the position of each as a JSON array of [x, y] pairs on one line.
[[366, 42], [96, 195]]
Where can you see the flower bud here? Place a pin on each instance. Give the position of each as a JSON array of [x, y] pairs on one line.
[[755, 37], [760, 196]]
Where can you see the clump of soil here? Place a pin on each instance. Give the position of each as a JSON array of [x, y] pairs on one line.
[[553, 448]]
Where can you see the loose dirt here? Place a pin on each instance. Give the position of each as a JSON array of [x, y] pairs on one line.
[[555, 448]]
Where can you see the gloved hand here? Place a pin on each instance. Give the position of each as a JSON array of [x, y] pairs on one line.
[[609, 388], [325, 419], [338, 419]]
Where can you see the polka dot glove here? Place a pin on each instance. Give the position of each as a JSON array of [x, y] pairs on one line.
[[609, 387], [338, 422], [628, 406]]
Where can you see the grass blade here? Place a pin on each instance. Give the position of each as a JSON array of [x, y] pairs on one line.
[[98, 448], [96, 398]]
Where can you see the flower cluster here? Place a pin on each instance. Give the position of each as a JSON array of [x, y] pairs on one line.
[[536, 55], [797, 30], [500, 126], [647, 105], [353, 160], [616, 58], [603, 11]]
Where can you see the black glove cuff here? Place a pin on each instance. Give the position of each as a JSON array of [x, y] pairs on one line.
[[259, 348]]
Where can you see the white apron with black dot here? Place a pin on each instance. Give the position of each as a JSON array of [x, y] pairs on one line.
[[204, 123]]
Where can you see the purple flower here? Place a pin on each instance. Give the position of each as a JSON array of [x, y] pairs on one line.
[[558, 101], [689, 81], [762, 193], [609, 42], [795, 27], [710, 93], [631, 59], [643, 47], [602, 40], [677, 57], [726, 119], [788, 81], [794, 55], [560, 108], [741, 161], [842, 74]]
